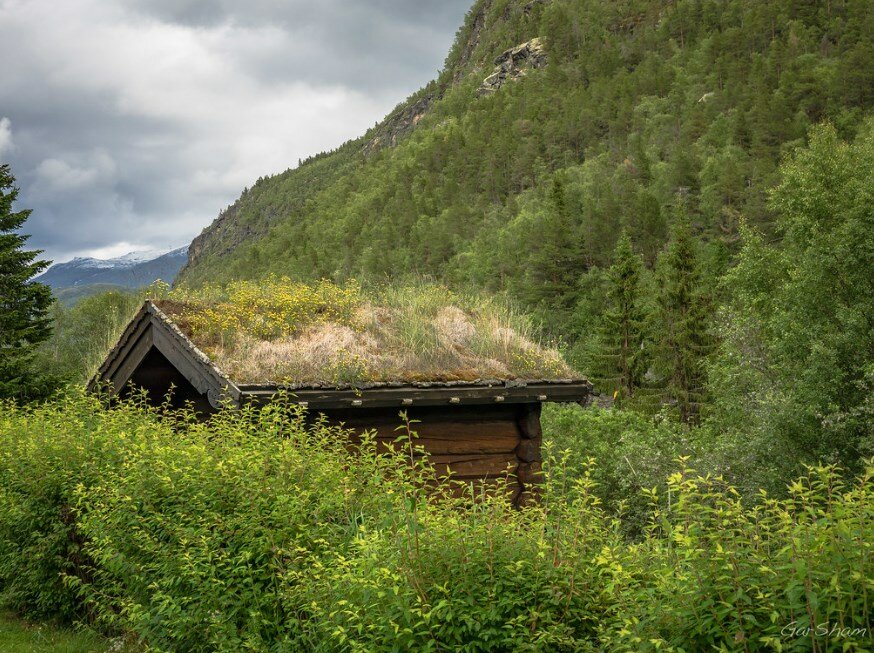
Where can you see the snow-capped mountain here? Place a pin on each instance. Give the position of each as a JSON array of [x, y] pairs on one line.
[[133, 270]]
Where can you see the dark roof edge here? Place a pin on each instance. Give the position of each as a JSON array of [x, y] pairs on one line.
[[409, 395], [156, 318], [130, 331], [400, 385], [222, 379]]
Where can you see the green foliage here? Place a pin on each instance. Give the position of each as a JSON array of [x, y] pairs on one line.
[[683, 323], [20, 637], [634, 452], [24, 305], [795, 363], [48, 453], [257, 532], [84, 332], [526, 189], [621, 358], [788, 575]]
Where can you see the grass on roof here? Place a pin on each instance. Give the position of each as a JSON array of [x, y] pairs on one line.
[[281, 331]]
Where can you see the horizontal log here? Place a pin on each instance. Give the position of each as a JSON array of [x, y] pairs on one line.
[[371, 417], [505, 444], [530, 473], [449, 430], [469, 467], [475, 489], [529, 450]]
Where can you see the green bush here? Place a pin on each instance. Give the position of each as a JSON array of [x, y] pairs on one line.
[[721, 576], [633, 451], [49, 455], [258, 532]]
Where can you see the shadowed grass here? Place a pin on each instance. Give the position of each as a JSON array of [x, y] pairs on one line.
[[17, 636]]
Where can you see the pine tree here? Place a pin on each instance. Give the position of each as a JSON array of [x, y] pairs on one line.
[[24, 305], [683, 322], [620, 362]]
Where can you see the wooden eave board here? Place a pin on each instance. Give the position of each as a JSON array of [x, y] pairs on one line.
[[183, 353], [119, 353], [415, 395]]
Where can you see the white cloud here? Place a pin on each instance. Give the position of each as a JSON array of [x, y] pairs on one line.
[[6, 143], [112, 251], [60, 175]]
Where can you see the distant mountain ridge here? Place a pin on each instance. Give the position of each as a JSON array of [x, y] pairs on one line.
[[133, 270]]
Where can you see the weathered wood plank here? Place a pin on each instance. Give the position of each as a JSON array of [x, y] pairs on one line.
[[134, 354], [529, 450], [481, 466], [424, 416], [442, 446], [401, 397], [475, 489], [529, 421], [182, 361]]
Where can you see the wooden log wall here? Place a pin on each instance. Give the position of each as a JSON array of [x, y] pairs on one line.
[[471, 444]]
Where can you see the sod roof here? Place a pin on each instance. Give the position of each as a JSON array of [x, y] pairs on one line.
[[278, 332]]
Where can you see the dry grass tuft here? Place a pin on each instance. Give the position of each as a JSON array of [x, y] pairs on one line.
[[279, 331]]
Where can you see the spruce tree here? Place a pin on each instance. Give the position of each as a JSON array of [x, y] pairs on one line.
[[553, 268], [683, 323], [24, 304], [619, 362]]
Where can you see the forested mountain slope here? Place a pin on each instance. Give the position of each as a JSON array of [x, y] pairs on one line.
[[622, 114]]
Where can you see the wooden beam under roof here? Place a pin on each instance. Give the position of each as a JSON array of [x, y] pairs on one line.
[[420, 395]]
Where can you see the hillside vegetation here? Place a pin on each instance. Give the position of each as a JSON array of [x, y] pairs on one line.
[[729, 141], [679, 196], [644, 111]]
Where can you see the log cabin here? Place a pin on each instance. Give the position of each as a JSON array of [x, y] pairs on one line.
[[474, 429]]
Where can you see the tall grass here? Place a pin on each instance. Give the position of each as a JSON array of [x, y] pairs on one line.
[[283, 331]]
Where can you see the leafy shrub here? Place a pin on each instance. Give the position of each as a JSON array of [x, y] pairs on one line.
[[49, 455], [439, 576], [634, 452], [84, 332], [788, 575], [259, 532]]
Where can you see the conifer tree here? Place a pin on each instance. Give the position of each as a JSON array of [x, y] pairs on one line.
[[554, 266], [683, 325], [24, 304], [620, 362]]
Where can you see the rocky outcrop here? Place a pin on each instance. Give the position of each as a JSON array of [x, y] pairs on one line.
[[400, 123], [513, 64], [532, 6]]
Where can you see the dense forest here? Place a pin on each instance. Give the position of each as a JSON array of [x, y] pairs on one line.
[[645, 112], [653, 195], [678, 195]]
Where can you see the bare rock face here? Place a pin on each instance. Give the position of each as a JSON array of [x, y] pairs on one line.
[[400, 123], [513, 64]]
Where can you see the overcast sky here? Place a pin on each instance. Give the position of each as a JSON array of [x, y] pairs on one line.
[[130, 124]]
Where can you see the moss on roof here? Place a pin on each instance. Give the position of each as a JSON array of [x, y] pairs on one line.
[[281, 331]]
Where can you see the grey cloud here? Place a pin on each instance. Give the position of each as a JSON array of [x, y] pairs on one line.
[[136, 122], [379, 43]]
